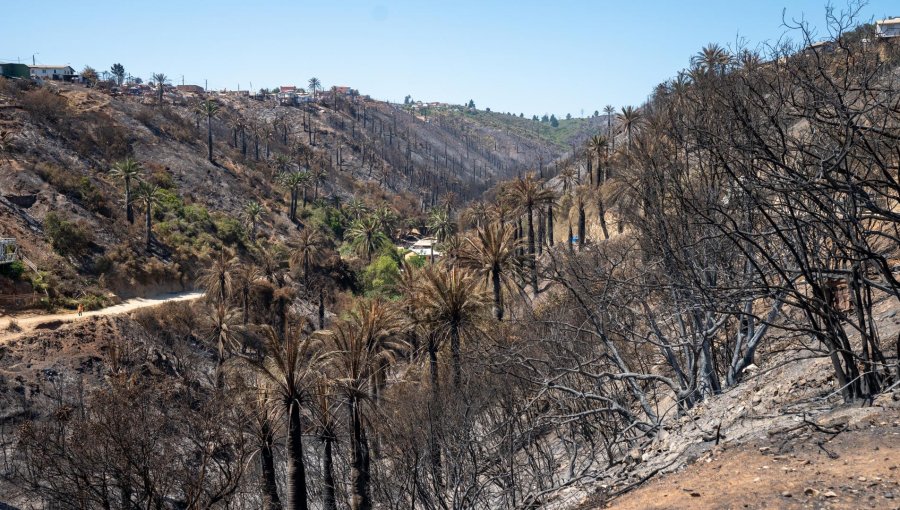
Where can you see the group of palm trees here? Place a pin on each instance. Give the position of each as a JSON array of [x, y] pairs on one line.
[[300, 181], [129, 171], [312, 376]]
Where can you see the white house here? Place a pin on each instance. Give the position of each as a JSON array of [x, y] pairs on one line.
[[425, 247], [889, 27], [65, 73]]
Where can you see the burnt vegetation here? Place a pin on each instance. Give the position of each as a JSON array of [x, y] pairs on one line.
[[746, 215]]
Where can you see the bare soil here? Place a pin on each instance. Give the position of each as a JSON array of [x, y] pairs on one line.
[[857, 468]]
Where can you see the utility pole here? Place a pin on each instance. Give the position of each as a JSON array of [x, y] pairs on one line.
[[182, 79], [206, 85]]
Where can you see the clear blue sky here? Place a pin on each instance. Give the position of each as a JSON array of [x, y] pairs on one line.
[[521, 56]]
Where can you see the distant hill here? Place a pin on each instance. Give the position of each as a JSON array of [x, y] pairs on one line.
[[62, 140]]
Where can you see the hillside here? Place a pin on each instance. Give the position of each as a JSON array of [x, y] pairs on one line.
[[62, 141], [387, 307]]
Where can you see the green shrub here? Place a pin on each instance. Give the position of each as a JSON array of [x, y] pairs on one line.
[[328, 218], [66, 237], [381, 276], [168, 202], [13, 271], [228, 229], [417, 261]]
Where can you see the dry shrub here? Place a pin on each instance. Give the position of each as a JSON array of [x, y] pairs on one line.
[[44, 105], [77, 188]]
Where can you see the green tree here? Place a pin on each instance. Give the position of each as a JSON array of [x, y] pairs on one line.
[[366, 237], [129, 171], [554, 122], [118, 70], [712, 59]]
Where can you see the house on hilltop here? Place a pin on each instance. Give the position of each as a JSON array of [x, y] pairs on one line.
[[888, 28], [57, 73]]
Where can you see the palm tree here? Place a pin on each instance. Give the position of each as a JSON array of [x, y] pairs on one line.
[[529, 193], [292, 369], [209, 108], [440, 225], [314, 86], [386, 218], [318, 175], [366, 237], [128, 170], [448, 201], [161, 80], [712, 59], [253, 212], [363, 346], [629, 118], [245, 275], [609, 110], [356, 208], [476, 214], [493, 254], [311, 246], [550, 206], [452, 304], [569, 178], [582, 195], [148, 194], [222, 328], [216, 280], [266, 436], [294, 182], [327, 431], [599, 145]]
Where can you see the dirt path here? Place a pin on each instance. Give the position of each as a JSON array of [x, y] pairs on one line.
[[30, 322]]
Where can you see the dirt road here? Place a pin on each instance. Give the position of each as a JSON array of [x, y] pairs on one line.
[[30, 322]]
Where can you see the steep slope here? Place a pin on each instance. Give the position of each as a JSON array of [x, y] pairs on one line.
[[62, 140]]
